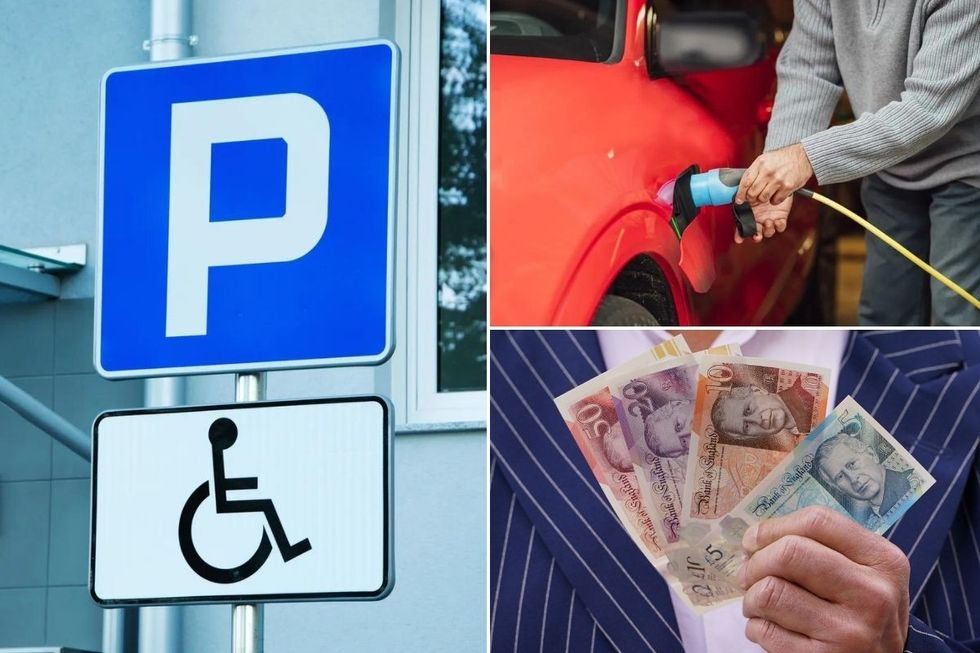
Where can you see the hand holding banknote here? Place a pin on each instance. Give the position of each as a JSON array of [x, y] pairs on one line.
[[816, 581], [697, 452]]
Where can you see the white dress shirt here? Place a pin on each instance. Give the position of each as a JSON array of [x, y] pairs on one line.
[[723, 630]]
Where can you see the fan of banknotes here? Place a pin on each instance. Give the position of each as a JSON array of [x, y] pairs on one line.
[[693, 449]]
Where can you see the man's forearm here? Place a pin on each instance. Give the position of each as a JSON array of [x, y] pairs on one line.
[[809, 81], [943, 84]]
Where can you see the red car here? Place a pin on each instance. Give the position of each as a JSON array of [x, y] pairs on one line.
[[595, 106]]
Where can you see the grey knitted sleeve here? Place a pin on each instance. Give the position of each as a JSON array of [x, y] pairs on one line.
[[943, 84], [809, 81]]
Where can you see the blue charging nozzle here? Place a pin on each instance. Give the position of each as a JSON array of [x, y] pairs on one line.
[[717, 187]]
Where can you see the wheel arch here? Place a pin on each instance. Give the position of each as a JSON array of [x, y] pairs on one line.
[[637, 244]]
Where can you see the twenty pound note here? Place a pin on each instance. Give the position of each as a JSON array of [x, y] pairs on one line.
[[749, 413], [848, 463], [655, 408]]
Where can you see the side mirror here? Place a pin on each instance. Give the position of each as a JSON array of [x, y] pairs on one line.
[[702, 40]]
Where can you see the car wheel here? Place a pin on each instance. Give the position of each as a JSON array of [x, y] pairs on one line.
[[619, 311]]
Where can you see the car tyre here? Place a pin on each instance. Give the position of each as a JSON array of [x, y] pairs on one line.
[[620, 311]]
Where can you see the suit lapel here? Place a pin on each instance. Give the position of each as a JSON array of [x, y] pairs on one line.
[[555, 489], [533, 606], [921, 386]]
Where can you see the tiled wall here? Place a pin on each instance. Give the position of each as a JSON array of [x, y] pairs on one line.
[[46, 349]]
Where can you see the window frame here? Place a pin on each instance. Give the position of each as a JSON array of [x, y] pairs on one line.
[[551, 47], [415, 363]]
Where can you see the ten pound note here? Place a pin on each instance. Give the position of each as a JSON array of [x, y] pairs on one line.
[[749, 413]]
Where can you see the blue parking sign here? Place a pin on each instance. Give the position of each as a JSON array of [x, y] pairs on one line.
[[247, 212]]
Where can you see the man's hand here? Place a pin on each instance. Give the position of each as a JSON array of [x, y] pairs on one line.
[[817, 582], [769, 220], [774, 176]]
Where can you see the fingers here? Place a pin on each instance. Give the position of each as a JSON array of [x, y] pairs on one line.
[[789, 606], [811, 565], [761, 189], [764, 228], [784, 193], [769, 220], [748, 178], [774, 176], [768, 227], [776, 639], [831, 529], [765, 183], [780, 196]]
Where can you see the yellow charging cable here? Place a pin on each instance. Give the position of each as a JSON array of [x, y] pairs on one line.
[[894, 244]]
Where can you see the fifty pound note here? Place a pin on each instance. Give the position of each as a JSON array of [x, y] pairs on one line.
[[749, 413], [849, 463], [590, 414]]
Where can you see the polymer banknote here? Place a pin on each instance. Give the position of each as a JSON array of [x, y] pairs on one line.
[[655, 409], [590, 414], [591, 417], [848, 463], [654, 406], [749, 413], [701, 586]]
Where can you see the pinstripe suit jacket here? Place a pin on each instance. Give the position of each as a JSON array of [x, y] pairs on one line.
[[566, 577]]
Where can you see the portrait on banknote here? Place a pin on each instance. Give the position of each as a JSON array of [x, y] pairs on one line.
[[849, 464], [858, 468], [762, 407], [662, 406]]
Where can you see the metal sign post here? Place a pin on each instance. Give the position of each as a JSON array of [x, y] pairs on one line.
[[247, 628], [247, 620]]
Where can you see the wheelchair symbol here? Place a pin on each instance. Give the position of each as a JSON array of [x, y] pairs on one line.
[[223, 434]]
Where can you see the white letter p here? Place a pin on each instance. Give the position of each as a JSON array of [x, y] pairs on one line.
[[196, 244]]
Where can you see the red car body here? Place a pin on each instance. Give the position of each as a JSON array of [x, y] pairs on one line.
[[578, 153]]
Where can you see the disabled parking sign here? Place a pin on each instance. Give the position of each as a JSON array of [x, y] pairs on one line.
[[247, 209], [268, 501]]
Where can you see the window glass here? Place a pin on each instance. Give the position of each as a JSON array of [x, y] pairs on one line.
[[462, 275], [584, 30]]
